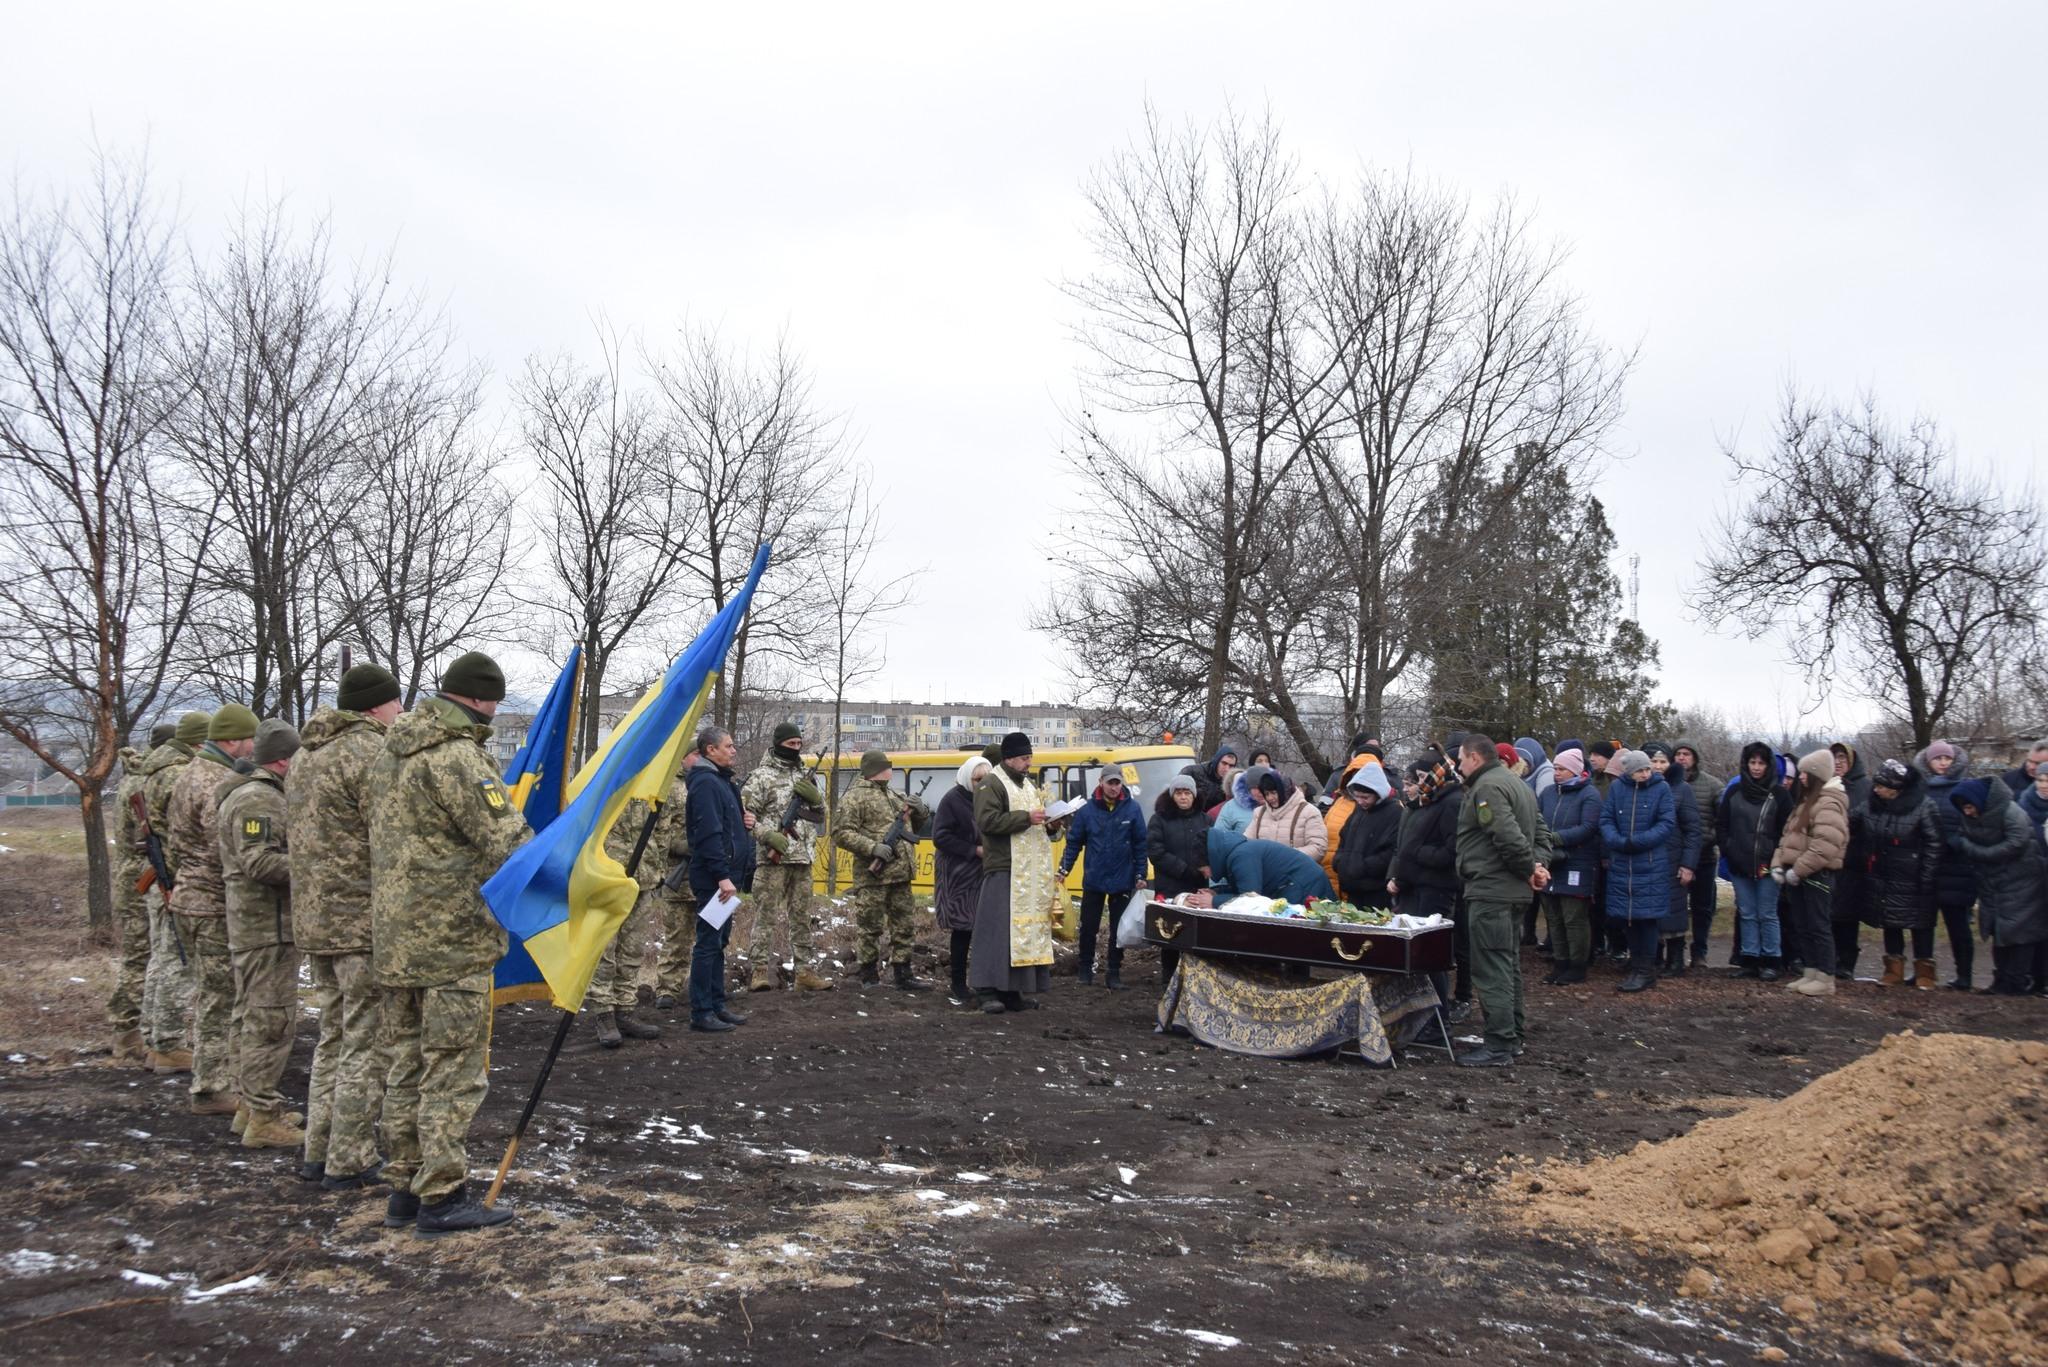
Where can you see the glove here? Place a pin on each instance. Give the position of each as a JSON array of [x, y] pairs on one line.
[[1777, 874], [808, 793], [776, 841], [1791, 878]]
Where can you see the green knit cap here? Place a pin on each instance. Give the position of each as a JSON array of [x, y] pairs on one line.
[[276, 739], [874, 762], [162, 733], [364, 687], [192, 728], [475, 675], [232, 722]]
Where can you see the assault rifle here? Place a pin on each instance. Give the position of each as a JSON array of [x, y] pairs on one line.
[[804, 796], [159, 871], [898, 828]]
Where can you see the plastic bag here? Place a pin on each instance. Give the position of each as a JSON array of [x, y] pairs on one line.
[[1130, 927]]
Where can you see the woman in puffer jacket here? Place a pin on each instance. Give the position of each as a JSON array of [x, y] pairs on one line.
[[1808, 857], [1237, 810], [1903, 838], [1687, 841], [1999, 841], [1285, 816], [1637, 823], [1944, 766]]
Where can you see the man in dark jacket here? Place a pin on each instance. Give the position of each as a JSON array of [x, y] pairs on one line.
[[720, 850], [2021, 776], [1111, 829], [1704, 893], [1212, 777], [1503, 849]]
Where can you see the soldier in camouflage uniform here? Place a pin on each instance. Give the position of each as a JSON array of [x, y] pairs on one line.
[[867, 813], [167, 991], [615, 983], [131, 912], [440, 824], [782, 880], [328, 796], [256, 876], [200, 901], [678, 932]]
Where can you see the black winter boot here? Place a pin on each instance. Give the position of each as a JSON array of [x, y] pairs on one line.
[[632, 1027], [401, 1208], [870, 973], [457, 1214], [1768, 970], [607, 1023], [906, 981]]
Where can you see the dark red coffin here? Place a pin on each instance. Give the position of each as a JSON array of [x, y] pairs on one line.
[[1370, 949]]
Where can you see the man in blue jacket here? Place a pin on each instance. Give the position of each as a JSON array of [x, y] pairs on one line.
[[1111, 829], [720, 851], [1266, 867]]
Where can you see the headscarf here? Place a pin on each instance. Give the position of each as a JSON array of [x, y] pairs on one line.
[[964, 775]]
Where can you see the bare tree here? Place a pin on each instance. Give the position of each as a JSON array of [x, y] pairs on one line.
[[293, 376], [416, 568], [612, 522], [89, 601], [1870, 548], [754, 459]]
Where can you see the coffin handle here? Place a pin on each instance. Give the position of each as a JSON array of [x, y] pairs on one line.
[[1337, 943], [1167, 929]]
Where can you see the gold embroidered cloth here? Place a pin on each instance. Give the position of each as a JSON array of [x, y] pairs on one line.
[[1258, 1011]]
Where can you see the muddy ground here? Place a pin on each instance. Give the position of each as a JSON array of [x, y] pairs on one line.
[[879, 1177]]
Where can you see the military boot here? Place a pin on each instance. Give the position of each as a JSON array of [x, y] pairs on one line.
[[807, 981], [368, 1177], [170, 1061], [215, 1103], [401, 1208], [272, 1130], [607, 1023], [241, 1121], [128, 1047], [906, 981], [456, 1213], [870, 973], [763, 980], [632, 1027], [310, 1171]]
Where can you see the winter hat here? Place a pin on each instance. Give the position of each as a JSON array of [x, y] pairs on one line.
[[1271, 780], [1181, 783], [992, 753], [1572, 743], [1251, 778], [1975, 791], [233, 722], [366, 686], [1654, 748], [192, 728], [1373, 779], [789, 730], [1941, 749], [1569, 762], [162, 733], [475, 675], [276, 739], [874, 762], [1893, 775], [1015, 744], [1507, 754], [1632, 762], [964, 776]]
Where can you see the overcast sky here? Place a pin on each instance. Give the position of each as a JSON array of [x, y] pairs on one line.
[[1846, 194]]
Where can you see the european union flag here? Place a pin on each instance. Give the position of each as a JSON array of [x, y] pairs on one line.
[[560, 896]]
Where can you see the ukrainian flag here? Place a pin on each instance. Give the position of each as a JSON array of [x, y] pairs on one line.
[[560, 896], [538, 781]]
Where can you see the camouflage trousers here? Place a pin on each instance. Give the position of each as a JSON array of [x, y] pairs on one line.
[[617, 976], [440, 1042], [350, 1059], [267, 1005], [131, 970], [216, 1020], [782, 895], [167, 987], [876, 905], [678, 938]]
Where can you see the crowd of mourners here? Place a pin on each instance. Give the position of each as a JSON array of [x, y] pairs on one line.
[[1815, 849]]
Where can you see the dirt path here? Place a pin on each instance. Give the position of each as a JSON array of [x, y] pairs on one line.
[[881, 1178]]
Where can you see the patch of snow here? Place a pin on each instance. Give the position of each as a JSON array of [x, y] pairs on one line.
[[350, 1332], [698, 1132], [136, 1134], [964, 1208], [78, 980], [970, 1177], [255, 1283], [1205, 1337], [143, 1278], [1108, 1295], [17, 1058], [669, 1129], [797, 1155], [33, 1262], [900, 1169], [1129, 1175], [792, 1251], [929, 1195], [138, 1243]]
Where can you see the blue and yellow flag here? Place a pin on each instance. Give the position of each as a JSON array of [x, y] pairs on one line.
[[560, 896], [538, 781]]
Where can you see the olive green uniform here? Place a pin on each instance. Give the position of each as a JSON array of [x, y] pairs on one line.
[[131, 914], [440, 824], [1501, 839], [880, 900], [167, 987], [678, 910], [257, 880], [782, 878], [200, 901], [327, 794]]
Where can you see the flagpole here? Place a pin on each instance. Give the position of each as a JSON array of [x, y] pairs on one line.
[[547, 1066]]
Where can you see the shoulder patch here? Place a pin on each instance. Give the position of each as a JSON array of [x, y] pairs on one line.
[[494, 796], [255, 829], [1485, 813]]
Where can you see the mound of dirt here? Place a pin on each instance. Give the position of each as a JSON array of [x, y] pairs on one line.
[[1906, 1194]]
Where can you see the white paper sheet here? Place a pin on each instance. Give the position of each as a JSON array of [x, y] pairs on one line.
[[719, 909]]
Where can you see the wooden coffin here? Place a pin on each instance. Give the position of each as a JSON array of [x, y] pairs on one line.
[[1371, 949]]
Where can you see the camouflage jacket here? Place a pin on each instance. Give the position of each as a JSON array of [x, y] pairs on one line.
[[191, 843], [129, 861], [327, 795], [440, 824], [160, 768], [863, 816], [254, 863], [666, 831], [766, 795], [670, 844]]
